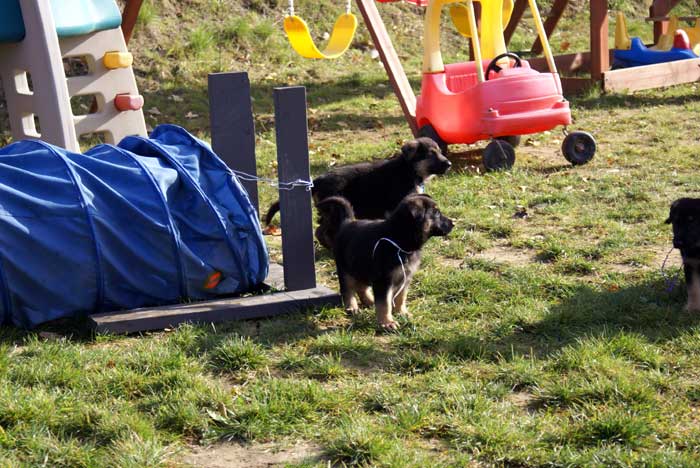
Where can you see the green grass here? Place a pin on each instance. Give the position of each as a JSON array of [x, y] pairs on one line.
[[545, 340]]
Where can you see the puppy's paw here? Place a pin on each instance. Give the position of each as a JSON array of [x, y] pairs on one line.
[[367, 302], [352, 310], [404, 311], [389, 326]]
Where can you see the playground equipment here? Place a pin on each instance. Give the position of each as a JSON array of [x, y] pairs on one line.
[[233, 139], [156, 220], [631, 52], [497, 95], [300, 37], [35, 37]]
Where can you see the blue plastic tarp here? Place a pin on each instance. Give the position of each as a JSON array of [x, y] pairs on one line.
[[151, 221]]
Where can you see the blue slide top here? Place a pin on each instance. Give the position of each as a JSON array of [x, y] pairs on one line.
[[72, 18]]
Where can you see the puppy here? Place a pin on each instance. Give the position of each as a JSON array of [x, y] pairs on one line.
[[376, 188], [382, 255], [685, 218]]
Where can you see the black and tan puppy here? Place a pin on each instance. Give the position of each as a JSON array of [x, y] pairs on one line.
[[685, 218], [381, 255], [375, 188]]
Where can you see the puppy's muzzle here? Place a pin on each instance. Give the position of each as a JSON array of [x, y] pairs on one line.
[[443, 166], [445, 226]]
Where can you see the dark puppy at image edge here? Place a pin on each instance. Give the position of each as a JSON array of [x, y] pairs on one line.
[[375, 188], [380, 254], [685, 218]]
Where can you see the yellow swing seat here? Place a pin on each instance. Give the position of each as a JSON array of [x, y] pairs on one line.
[[300, 37]]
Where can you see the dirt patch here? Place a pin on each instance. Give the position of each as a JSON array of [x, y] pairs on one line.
[[507, 255], [236, 455]]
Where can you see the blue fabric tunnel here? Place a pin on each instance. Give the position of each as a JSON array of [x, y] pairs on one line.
[[151, 221]]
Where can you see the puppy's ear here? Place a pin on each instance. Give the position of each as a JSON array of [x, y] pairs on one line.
[[672, 213], [410, 149]]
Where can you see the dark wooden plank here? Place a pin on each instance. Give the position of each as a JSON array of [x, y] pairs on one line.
[[232, 125], [600, 54], [550, 23], [515, 17], [568, 63], [268, 305], [572, 86], [394, 70], [295, 204], [652, 76]]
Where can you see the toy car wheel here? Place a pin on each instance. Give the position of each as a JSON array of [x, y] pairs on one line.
[[429, 131], [498, 155], [514, 140], [579, 147]]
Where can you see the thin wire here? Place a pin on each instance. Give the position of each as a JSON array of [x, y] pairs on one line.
[[399, 250], [670, 282], [308, 184]]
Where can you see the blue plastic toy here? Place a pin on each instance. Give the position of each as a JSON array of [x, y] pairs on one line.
[[639, 54], [152, 221]]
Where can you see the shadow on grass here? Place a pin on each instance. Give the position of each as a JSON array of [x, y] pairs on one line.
[[631, 101], [647, 309]]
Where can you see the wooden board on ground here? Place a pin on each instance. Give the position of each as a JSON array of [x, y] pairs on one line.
[[652, 76], [221, 310]]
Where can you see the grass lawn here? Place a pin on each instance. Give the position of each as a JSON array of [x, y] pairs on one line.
[[544, 332]]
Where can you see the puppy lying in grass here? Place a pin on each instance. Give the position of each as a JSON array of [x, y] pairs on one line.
[[685, 218], [382, 255], [375, 188]]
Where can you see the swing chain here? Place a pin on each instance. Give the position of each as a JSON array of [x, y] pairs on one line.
[[291, 7], [348, 7]]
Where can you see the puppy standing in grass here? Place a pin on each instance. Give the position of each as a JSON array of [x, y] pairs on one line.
[[382, 255], [685, 218], [375, 188]]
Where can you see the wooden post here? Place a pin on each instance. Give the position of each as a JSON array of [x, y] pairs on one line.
[[661, 8], [295, 204], [477, 14], [392, 64], [550, 23], [600, 54], [515, 17], [232, 125], [129, 17]]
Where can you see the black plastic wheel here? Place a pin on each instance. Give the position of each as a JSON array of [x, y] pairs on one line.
[[429, 131], [514, 140], [498, 155], [578, 147]]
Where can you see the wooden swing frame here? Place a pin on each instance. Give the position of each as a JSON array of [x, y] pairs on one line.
[[595, 63]]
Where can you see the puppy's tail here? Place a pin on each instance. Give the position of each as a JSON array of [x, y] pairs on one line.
[[333, 213], [271, 212]]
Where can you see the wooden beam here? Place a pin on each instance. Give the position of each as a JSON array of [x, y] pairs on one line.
[[579, 62], [295, 204], [600, 61], [222, 310], [390, 60], [661, 8], [652, 76], [129, 17], [573, 85], [232, 125], [550, 23], [515, 17]]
